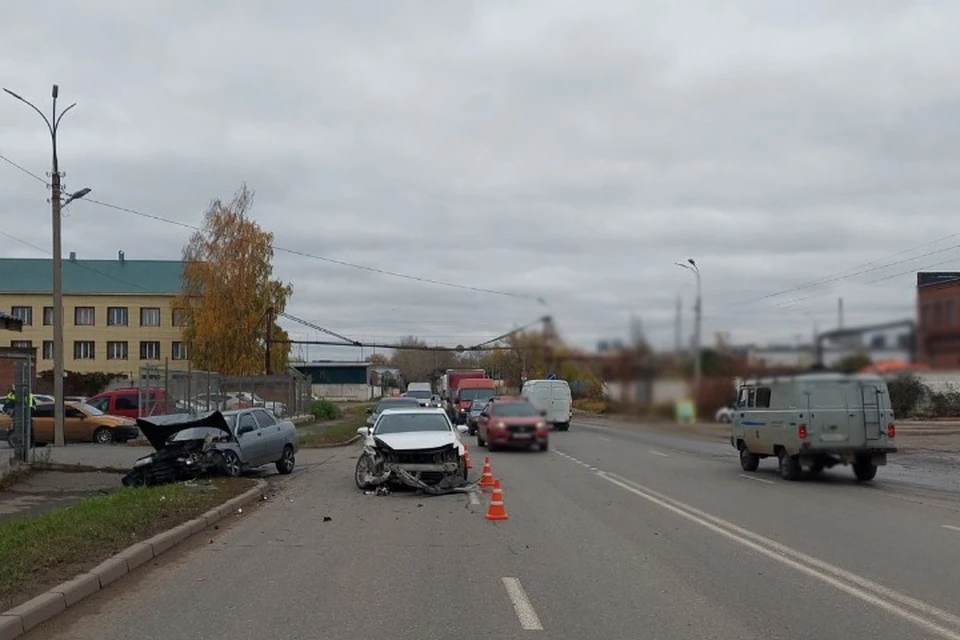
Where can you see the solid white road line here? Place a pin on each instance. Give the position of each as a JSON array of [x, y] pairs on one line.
[[657, 453], [521, 604], [893, 602], [951, 527], [604, 438], [764, 481]]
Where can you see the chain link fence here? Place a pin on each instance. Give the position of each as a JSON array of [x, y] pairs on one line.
[[172, 390]]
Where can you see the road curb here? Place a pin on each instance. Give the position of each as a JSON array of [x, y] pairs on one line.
[[21, 619]]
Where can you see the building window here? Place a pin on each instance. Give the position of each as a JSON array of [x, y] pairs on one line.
[[149, 350], [149, 316], [950, 312], [118, 350], [21, 344], [181, 317], [878, 342], [47, 352], [179, 351], [47, 316], [84, 316], [117, 316], [84, 350], [925, 315], [24, 314]]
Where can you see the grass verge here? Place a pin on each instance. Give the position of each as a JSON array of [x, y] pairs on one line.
[[335, 431], [39, 552]]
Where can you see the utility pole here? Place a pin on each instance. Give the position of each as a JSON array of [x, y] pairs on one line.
[[268, 342], [691, 265], [678, 326], [840, 313], [56, 206]]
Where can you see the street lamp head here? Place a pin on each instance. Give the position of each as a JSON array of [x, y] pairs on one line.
[[690, 260], [13, 94], [56, 91], [77, 195]]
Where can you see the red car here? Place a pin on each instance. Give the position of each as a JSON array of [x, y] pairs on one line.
[[512, 422]]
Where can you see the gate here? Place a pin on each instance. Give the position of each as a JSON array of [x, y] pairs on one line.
[[16, 373]]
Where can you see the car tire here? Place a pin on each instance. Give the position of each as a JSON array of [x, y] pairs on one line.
[[230, 464], [103, 435], [864, 470], [287, 461], [480, 441], [362, 462], [790, 468], [563, 426], [544, 446], [749, 461]]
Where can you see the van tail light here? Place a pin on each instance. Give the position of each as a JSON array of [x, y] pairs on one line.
[[802, 431], [891, 431]]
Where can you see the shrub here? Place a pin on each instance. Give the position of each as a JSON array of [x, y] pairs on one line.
[[907, 394], [591, 406], [325, 410]]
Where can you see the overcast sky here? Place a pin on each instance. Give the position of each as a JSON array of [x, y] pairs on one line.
[[567, 150]]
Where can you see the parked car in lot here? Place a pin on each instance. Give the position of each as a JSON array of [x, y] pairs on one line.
[[82, 423], [512, 422], [228, 443], [131, 402], [416, 446]]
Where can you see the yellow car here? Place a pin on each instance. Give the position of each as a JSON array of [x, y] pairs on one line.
[[82, 423]]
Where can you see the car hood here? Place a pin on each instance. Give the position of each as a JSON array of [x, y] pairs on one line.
[[157, 429], [416, 440]]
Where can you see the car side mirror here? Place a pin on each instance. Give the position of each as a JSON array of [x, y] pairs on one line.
[[484, 414], [543, 414], [244, 430], [363, 431], [462, 428], [369, 411]]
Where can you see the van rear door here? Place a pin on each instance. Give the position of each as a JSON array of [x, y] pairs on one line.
[[871, 399]]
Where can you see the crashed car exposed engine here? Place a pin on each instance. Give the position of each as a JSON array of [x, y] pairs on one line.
[[416, 447], [186, 448]]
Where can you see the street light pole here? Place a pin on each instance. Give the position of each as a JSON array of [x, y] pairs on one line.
[[53, 124], [691, 265]]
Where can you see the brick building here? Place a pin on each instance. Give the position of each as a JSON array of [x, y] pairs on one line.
[[938, 319]]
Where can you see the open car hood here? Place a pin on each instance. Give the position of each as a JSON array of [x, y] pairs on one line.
[[157, 429]]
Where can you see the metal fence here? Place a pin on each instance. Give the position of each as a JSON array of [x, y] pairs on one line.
[[16, 372], [164, 389]]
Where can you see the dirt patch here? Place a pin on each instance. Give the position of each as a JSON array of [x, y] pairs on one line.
[[38, 552]]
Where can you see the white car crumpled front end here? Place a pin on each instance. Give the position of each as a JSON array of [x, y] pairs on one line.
[[419, 460]]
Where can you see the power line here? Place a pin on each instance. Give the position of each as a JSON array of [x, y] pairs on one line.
[[23, 169]]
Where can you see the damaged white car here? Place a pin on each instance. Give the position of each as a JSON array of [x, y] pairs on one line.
[[417, 447]]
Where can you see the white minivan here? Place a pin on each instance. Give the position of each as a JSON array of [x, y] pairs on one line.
[[552, 397]]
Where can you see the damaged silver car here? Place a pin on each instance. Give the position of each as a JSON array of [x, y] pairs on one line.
[[417, 447]]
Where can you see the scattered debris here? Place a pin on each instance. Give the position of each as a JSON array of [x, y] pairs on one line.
[[327, 518]]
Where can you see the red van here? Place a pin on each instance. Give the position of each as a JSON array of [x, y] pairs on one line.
[[127, 402]]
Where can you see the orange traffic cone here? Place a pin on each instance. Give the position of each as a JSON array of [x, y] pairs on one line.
[[466, 457], [496, 510], [486, 480]]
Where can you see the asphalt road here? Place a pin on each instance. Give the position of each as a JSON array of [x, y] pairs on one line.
[[612, 535]]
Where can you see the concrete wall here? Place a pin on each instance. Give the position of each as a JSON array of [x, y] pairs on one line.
[[345, 392], [100, 333]]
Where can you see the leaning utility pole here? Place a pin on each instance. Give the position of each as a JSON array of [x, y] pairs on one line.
[[53, 125], [691, 265], [678, 326]]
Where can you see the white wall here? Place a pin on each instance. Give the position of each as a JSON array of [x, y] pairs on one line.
[[345, 392]]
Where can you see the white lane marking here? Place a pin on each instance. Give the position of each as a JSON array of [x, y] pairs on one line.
[[951, 527], [764, 481], [474, 498], [861, 588], [521, 604], [657, 453], [604, 438]]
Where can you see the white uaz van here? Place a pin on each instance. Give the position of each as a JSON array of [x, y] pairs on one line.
[[815, 421]]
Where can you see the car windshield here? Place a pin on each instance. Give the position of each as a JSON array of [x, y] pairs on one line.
[[396, 403], [419, 394], [412, 422], [516, 410], [92, 411], [231, 419], [476, 394], [478, 405]]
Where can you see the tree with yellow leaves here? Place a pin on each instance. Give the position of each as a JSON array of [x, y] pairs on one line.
[[227, 289]]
